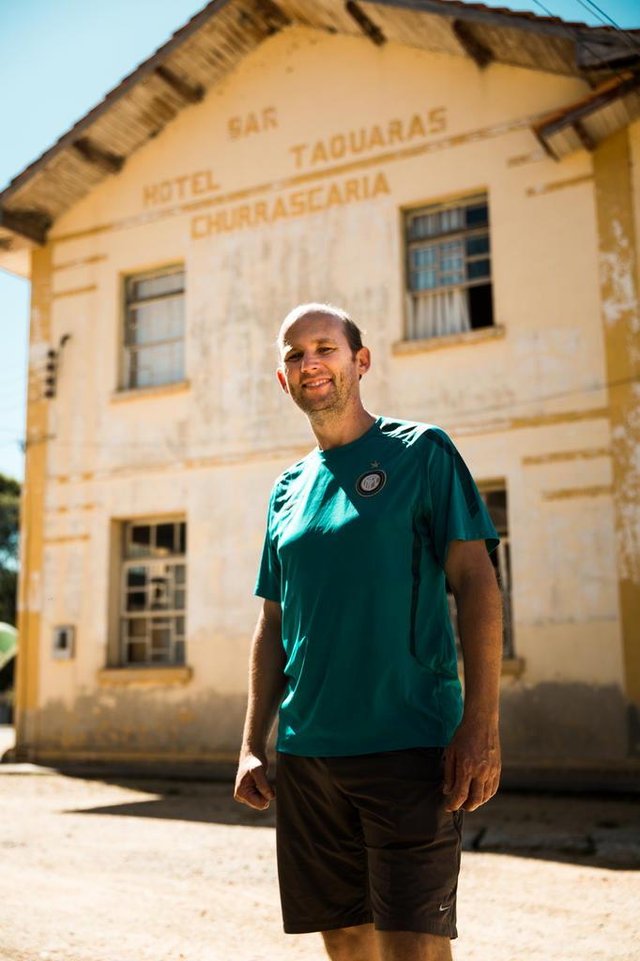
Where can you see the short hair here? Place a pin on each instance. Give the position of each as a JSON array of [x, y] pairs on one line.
[[351, 330]]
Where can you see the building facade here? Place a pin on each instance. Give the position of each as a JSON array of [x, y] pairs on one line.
[[466, 183]]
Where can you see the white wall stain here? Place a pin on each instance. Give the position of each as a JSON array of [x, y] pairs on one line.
[[617, 277], [627, 454]]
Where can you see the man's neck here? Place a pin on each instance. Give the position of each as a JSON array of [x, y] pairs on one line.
[[336, 430]]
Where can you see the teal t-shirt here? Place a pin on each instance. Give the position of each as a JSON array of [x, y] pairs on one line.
[[354, 552]]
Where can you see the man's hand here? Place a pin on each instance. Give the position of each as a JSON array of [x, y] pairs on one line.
[[472, 765], [252, 787]]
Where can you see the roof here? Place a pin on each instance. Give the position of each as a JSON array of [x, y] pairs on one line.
[[590, 120], [216, 39]]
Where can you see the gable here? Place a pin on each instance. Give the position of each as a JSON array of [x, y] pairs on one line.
[[209, 48], [307, 108]]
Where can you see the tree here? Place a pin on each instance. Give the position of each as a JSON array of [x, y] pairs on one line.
[[9, 545]]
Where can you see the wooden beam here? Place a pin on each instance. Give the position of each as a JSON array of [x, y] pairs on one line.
[[612, 90], [478, 52], [271, 15], [511, 19], [368, 27], [185, 90], [89, 150], [605, 54], [584, 136], [31, 224]]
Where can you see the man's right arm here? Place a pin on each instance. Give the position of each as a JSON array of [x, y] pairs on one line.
[[266, 686]]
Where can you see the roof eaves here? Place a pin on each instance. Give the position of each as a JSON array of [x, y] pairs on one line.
[[29, 224], [26, 223], [141, 71], [480, 12], [573, 114]]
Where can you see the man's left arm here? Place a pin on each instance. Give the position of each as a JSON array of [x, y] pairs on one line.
[[472, 759]]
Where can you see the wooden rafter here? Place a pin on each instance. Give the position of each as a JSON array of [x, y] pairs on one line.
[[478, 52], [366, 24], [28, 223], [187, 91], [584, 136], [89, 150]]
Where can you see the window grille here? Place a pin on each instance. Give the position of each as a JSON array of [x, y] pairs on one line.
[[154, 328], [153, 593], [448, 268]]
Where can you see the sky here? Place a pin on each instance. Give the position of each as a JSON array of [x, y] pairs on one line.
[[58, 59]]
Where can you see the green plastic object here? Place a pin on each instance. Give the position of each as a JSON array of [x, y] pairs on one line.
[[8, 643]]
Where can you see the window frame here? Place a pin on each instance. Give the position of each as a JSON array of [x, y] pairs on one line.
[[155, 567], [411, 331], [128, 382]]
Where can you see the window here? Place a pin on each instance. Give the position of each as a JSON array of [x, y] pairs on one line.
[[448, 268], [154, 328], [153, 593], [496, 500]]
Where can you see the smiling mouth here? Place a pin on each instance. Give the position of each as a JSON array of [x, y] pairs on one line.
[[314, 384]]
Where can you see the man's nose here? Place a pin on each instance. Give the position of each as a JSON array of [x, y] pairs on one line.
[[309, 361]]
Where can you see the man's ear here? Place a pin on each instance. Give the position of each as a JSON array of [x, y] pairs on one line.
[[363, 358], [282, 380]]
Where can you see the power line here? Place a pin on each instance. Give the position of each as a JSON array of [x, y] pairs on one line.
[[597, 54], [604, 17], [567, 30]]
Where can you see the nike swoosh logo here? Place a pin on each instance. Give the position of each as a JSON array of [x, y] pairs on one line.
[[444, 907]]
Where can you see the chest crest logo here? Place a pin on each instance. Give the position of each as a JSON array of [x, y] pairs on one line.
[[371, 482]]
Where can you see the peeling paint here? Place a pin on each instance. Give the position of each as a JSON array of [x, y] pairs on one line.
[[626, 448], [619, 296], [617, 280]]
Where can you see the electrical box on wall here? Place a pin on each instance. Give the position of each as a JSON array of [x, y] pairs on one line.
[[63, 641]]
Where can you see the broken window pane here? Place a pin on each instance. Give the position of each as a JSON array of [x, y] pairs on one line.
[[164, 539], [139, 540]]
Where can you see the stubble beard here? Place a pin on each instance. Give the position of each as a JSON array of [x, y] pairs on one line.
[[322, 411]]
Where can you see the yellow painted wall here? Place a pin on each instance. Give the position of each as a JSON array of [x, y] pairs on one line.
[[617, 205], [262, 222], [31, 598]]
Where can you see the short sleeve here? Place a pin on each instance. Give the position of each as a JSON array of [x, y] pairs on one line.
[[456, 509], [268, 583]]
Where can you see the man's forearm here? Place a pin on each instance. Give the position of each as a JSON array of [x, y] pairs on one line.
[[266, 682], [479, 605]]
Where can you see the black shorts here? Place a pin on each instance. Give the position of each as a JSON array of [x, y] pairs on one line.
[[367, 839]]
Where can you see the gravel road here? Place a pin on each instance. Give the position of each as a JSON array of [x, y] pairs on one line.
[[143, 870]]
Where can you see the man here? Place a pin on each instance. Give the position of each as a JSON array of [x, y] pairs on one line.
[[377, 759]]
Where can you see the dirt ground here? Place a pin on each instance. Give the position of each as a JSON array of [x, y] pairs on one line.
[[142, 870]]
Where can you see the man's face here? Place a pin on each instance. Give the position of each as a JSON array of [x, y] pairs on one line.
[[318, 368]]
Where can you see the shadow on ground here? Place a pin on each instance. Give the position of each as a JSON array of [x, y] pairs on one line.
[[594, 830], [209, 803]]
